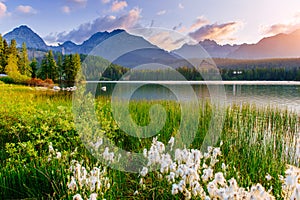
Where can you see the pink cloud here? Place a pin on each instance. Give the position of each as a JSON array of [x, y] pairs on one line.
[[217, 32], [107, 23], [201, 21], [28, 10], [118, 5], [66, 9], [3, 9]]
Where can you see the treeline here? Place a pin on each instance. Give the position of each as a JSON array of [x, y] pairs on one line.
[[260, 74], [53, 67], [63, 69], [254, 74]]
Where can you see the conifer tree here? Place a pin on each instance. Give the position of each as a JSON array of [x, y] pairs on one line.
[[33, 66], [11, 68], [23, 63], [53, 70]]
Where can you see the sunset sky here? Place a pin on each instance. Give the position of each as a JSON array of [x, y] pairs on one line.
[[230, 21]]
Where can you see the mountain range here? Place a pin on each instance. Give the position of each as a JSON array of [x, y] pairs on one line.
[[278, 46]]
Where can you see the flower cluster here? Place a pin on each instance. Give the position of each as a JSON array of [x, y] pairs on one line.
[[53, 153], [93, 182], [290, 183], [191, 173]]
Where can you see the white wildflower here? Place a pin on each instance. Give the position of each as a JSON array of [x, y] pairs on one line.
[[224, 167], [296, 192], [268, 177], [216, 152], [171, 143], [207, 174], [174, 189], [144, 171], [72, 185], [58, 155], [171, 177], [98, 143], [77, 197], [93, 196], [145, 153], [51, 149], [141, 181], [219, 179]]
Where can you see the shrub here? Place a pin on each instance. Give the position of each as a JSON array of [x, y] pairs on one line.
[[7, 80], [36, 82], [49, 81]]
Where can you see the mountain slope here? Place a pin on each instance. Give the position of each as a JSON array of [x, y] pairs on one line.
[[213, 49], [278, 46], [25, 34]]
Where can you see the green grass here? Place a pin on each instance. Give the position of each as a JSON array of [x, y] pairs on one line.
[[254, 143]]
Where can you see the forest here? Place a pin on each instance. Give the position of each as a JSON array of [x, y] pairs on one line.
[[54, 67]]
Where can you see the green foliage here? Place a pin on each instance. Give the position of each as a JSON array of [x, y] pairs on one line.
[[7, 80], [71, 66], [23, 64], [253, 144], [12, 70], [12, 67], [34, 67], [3, 54], [48, 68]]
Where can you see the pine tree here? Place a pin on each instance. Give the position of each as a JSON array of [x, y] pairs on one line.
[[52, 66], [76, 68], [13, 48], [71, 66], [60, 67], [1, 54], [67, 67], [44, 72], [5, 54], [23, 63], [33, 66], [11, 68]]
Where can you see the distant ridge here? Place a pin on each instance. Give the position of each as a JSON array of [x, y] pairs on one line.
[[278, 46], [25, 34]]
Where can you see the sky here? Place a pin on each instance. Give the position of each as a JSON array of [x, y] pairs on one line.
[[225, 21]]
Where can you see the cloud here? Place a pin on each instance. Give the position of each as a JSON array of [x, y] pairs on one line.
[[118, 5], [200, 21], [285, 27], [166, 39], [161, 12], [217, 32], [66, 9], [180, 6], [3, 10], [107, 23], [105, 1], [25, 10]]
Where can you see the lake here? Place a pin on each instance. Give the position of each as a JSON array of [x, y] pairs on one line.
[[279, 94]]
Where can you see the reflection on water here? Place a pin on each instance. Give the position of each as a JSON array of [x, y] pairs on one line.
[[281, 96]]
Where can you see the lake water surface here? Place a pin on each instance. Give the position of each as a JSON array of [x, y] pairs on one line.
[[284, 95]]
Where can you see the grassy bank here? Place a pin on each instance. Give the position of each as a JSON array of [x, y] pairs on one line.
[[39, 144]]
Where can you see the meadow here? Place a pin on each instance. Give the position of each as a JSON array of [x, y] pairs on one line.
[[43, 157]]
